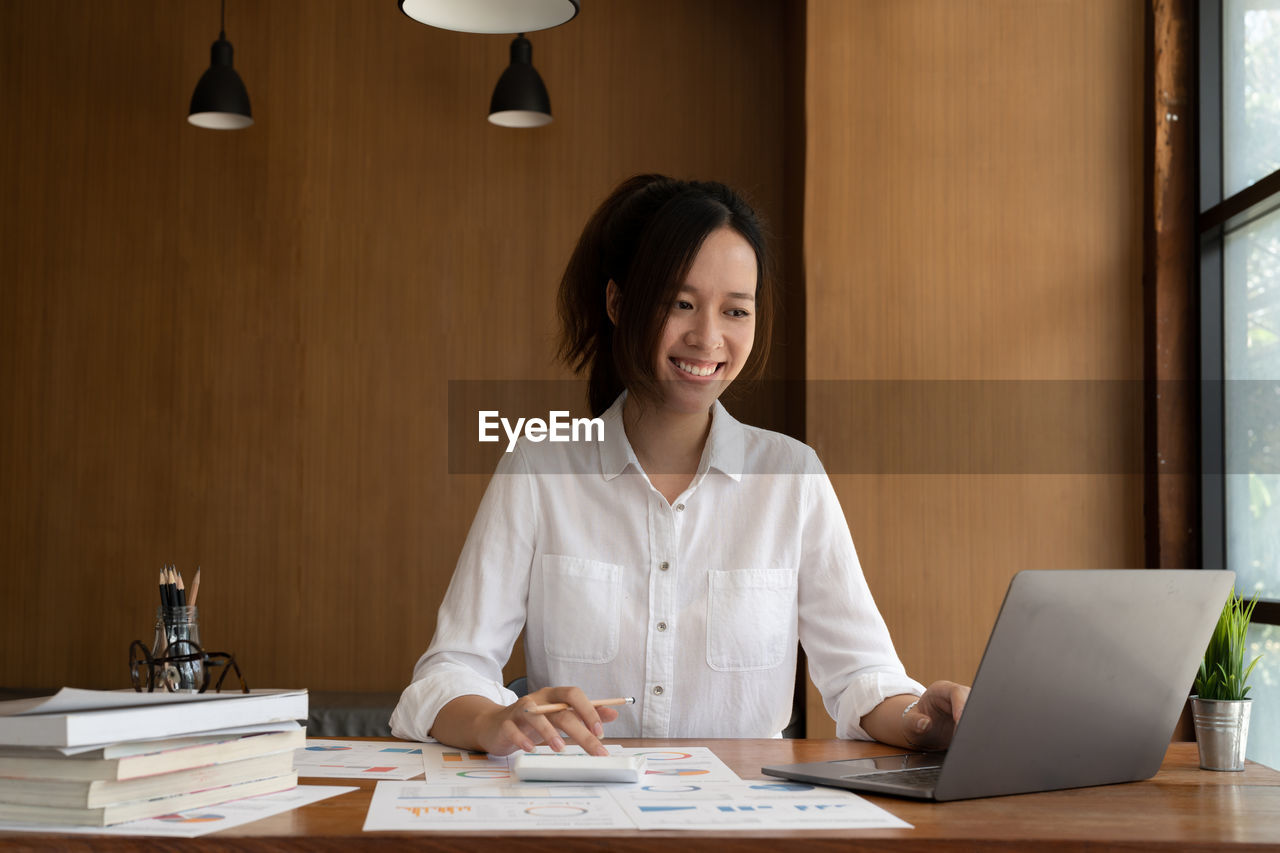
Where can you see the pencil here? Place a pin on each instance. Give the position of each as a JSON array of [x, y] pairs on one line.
[[164, 591], [182, 589], [195, 587], [564, 706]]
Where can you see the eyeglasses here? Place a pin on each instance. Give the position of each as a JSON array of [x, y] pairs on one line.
[[183, 664]]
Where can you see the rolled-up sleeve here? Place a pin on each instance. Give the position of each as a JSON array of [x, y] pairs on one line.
[[484, 608], [851, 657]]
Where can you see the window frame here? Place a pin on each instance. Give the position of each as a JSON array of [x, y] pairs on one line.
[[1217, 217]]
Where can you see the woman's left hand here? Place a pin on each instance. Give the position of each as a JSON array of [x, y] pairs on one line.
[[931, 721]]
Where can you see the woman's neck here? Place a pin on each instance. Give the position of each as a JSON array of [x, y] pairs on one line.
[[665, 442]]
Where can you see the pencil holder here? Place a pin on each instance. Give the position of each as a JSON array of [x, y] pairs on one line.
[[176, 650]]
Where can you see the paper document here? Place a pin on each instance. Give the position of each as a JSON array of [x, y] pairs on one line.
[[750, 804], [447, 766], [71, 700], [686, 787], [412, 805], [356, 759]]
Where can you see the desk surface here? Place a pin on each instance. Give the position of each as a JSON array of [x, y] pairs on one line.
[[1182, 808]]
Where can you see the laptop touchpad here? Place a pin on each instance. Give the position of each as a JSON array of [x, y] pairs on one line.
[[852, 767]]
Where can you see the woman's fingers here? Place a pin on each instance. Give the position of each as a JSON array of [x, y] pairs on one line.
[[585, 711], [932, 721], [576, 730], [536, 724], [582, 723]]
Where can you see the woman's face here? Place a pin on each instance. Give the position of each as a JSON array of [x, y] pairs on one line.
[[710, 326]]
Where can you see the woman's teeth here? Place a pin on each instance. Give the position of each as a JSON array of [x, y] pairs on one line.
[[695, 369]]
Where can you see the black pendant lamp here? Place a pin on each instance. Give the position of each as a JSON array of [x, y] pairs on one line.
[[520, 99], [491, 16], [220, 101]]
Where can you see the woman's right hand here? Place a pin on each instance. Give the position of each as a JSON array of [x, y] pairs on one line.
[[501, 730]]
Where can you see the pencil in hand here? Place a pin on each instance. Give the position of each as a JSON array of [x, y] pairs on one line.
[[564, 706]]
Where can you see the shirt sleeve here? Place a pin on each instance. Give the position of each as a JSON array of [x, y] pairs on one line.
[[851, 656], [484, 608]]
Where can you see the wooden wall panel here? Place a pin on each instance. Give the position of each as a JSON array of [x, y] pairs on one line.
[[233, 349], [973, 212]]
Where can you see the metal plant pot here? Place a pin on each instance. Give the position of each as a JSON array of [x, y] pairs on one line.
[[1222, 730]]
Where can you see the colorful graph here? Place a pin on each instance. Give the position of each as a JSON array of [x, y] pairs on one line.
[[665, 756], [663, 789], [327, 748], [485, 774], [558, 810], [782, 786], [198, 817], [679, 771]]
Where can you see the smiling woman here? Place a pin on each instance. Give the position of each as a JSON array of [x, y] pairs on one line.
[[683, 558], [652, 247]]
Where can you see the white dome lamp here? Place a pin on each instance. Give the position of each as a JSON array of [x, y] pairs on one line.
[[491, 16]]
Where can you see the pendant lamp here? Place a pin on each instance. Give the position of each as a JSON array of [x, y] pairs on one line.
[[220, 101], [491, 16], [520, 99]]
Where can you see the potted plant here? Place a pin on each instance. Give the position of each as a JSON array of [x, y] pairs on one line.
[[1220, 706]]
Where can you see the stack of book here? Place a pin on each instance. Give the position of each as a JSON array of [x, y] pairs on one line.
[[97, 758]]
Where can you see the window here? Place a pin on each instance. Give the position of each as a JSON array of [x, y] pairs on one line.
[[1240, 324]]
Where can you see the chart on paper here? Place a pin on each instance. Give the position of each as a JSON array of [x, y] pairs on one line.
[[354, 759], [747, 804], [407, 806], [445, 766]]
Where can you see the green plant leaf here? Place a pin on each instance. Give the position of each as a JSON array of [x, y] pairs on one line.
[[1223, 674]]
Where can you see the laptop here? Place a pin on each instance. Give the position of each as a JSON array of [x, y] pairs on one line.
[[1082, 682]]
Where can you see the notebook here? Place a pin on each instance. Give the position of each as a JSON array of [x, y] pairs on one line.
[[1082, 682]]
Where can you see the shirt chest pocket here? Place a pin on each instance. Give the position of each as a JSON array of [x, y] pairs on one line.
[[750, 616], [581, 605]]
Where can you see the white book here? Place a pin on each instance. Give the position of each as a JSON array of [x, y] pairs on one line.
[[139, 809], [110, 716], [135, 759], [71, 793]]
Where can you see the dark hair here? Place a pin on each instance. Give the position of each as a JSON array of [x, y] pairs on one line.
[[644, 237]]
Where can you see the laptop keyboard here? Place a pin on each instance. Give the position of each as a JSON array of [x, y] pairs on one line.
[[924, 778]]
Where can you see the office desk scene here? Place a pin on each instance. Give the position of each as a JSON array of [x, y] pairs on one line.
[[1180, 808], [806, 371]]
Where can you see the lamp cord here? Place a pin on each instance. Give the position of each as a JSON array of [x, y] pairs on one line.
[[222, 21]]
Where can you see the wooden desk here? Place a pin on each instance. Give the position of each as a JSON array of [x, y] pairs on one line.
[[1182, 808]]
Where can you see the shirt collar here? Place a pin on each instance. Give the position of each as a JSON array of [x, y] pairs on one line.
[[615, 451], [725, 450]]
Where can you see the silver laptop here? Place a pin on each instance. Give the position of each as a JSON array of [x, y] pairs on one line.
[[1081, 684]]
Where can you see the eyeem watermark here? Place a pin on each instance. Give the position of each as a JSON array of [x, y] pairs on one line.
[[557, 427]]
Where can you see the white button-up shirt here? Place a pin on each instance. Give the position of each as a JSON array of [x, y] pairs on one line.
[[693, 607]]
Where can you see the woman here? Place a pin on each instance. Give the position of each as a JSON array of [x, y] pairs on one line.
[[680, 559]]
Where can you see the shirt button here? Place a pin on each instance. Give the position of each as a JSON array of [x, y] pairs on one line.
[[679, 507], [657, 690], [664, 565], [662, 626]]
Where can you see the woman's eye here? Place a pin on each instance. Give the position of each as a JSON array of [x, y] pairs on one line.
[[739, 312], [683, 305]]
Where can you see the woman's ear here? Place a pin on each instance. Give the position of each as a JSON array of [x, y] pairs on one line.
[[612, 296]]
